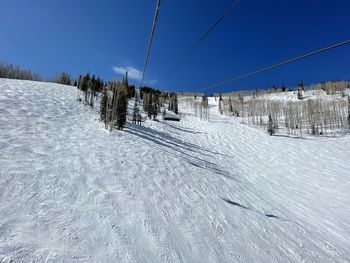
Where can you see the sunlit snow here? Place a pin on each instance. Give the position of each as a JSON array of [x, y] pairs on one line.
[[188, 191]]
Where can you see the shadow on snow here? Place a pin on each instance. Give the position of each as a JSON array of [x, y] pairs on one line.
[[247, 208], [191, 153]]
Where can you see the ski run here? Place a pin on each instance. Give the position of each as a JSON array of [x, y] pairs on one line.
[[188, 191]]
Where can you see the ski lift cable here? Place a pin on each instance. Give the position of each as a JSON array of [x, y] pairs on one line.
[[249, 74], [150, 41], [199, 41]]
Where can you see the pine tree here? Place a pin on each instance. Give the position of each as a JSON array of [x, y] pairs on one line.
[[270, 126], [122, 106], [92, 88], [98, 85], [126, 79], [284, 88], [103, 107], [176, 109], [79, 81], [300, 91], [85, 86]]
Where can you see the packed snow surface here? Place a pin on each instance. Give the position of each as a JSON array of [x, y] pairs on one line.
[[188, 191]]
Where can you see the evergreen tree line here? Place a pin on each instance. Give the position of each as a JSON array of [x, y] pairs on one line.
[[89, 86], [15, 72], [153, 100], [131, 91], [114, 105]]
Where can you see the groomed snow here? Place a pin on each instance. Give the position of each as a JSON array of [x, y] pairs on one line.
[[188, 191]]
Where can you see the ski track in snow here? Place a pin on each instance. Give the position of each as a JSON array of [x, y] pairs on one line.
[[188, 191]]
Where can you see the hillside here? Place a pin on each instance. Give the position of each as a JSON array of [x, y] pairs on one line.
[[188, 191]]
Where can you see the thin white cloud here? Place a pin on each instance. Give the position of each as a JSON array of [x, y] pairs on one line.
[[133, 74]]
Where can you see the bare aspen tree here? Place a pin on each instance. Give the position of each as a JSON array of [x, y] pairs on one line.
[[313, 113], [205, 107]]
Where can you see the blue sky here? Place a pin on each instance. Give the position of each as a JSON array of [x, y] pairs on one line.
[[106, 37]]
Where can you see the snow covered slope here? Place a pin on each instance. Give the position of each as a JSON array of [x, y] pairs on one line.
[[188, 191]]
